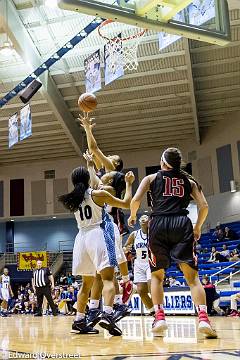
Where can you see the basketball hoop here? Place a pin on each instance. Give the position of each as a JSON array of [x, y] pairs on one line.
[[123, 42]]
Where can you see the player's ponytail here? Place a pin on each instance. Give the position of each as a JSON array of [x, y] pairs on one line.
[[172, 158], [119, 184], [80, 179]]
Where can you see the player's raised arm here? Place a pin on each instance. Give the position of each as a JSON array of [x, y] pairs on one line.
[[101, 159], [137, 199], [102, 197], [95, 182], [202, 205]]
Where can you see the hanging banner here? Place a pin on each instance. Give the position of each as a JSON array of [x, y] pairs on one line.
[[93, 72], [28, 260], [25, 122], [201, 11], [113, 67], [13, 130]]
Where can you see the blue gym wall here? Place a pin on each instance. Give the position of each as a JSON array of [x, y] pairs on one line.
[[2, 237], [34, 235]]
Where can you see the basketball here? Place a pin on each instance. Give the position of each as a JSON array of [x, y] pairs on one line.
[[87, 102]]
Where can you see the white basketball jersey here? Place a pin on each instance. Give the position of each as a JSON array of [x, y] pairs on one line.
[[5, 281], [89, 213], [141, 246]]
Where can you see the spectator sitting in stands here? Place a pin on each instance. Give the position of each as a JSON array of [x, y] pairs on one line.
[[213, 255], [22, 289], [69, 279], [217, 228], [212, 297], [30, 301], [230, 234], [220, 235], [223, 255], [19, 304], [198, 248], [234, 255], [71, 299], [75, 284], [62, 279], [173, 282], [57, 297]]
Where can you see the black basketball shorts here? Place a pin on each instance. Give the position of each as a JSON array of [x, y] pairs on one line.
[[171, 238]]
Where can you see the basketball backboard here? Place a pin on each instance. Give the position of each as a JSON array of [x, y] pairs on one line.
[[204, 20]]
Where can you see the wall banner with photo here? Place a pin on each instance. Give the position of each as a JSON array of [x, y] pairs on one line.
[[13, 130], [25, 122], [92, 66]]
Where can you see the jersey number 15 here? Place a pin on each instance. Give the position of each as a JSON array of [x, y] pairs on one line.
[[173, 187]]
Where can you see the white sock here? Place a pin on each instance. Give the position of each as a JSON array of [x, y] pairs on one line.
[[125, 278], [158, 307], [93, 304], [202, 308], [79, 316], [118, 299], [107, 309]]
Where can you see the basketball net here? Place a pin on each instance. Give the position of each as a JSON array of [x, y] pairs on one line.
[[122, 44]]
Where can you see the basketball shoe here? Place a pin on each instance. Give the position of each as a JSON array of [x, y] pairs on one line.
[[81, 327], [93, 317], [108, 323], [204, 325], [234, 313], [159, 324], [120, 311], [127, 291]]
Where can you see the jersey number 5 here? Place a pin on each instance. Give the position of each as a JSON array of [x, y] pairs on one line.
[[87, 212], [173, 187]]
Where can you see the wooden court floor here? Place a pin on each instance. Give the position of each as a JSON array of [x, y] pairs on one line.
[[24, 337]]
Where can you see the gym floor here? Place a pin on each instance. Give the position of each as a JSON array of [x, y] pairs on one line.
[[24, 336]]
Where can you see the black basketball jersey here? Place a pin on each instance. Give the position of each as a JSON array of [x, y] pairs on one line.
[[170, 193]]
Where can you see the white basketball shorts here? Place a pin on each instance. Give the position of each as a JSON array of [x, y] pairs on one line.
[[92, 252], [4, 294], [142, 272]]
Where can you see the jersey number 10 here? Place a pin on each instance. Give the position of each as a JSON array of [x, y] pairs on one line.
[[85, 213], [173, 187]]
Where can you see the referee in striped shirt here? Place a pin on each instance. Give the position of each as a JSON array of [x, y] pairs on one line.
[[43, 283]]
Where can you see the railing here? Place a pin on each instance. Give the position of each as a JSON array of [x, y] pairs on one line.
[[21, 247], [230, 275], [57, 264], [10, 258], [65, 245], [2, 262]]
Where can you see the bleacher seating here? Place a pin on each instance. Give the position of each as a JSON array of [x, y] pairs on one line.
[[207, 241]]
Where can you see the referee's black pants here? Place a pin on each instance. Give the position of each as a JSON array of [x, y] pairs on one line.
[[45, 291]]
